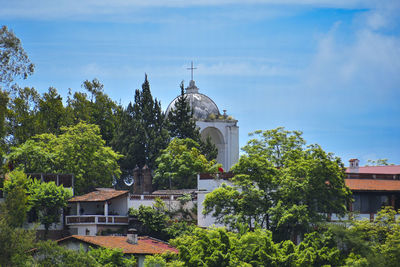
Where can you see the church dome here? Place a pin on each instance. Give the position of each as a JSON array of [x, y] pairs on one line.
[[201, 104]]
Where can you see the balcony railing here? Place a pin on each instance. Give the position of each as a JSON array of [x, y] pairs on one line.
[[96, 219]]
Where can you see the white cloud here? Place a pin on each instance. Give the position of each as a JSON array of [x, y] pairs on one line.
[[365, 67], [384, 14]]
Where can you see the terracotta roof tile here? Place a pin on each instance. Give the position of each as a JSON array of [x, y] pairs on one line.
[[99, 195], [373, 185], [145, 245], [390, 169]]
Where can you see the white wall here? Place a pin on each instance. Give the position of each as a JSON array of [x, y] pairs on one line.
[[206, 186], [204, 220], [119, 206], [81, 229], [170, 204]]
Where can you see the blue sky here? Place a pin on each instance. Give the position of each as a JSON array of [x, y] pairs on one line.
[[328, 68]]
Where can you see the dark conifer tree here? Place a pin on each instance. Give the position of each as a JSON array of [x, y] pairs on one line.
[[142, 133], [181, 123]]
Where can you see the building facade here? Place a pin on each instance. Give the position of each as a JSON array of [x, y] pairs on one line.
[[373, 187]]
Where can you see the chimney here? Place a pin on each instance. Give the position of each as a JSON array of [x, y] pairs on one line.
[[132, 237], [354, 164]]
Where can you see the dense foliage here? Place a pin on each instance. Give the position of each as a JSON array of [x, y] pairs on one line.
[[70, 152], [16, 203], [48, 200], [142, 131], [218, 247], [29, 113], [24, 194], [281, 185], [15, 242], [159, 222], [367, 243], [49, 254], [96, 108], [179, 164]]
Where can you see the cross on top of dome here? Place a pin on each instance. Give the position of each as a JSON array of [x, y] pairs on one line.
[[191, 70]]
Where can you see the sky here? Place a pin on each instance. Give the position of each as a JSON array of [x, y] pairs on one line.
[[329, 68]]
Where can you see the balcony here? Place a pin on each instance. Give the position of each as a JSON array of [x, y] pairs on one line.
[[96, 219]]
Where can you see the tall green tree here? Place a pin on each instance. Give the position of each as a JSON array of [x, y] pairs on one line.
[[142, 132], [96, 108], [15, 241], [181, 122], [52, 114], [14, 61], [79, 150], [16, 204], [29, 113], [22, 118], [282, 185], [179, 164], [48, 200]]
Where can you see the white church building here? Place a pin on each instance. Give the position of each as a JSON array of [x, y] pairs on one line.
[[222, 128]]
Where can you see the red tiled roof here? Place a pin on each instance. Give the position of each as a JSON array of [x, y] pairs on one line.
[[146, 245], [100, 194], [372, 185], [390, 169]]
